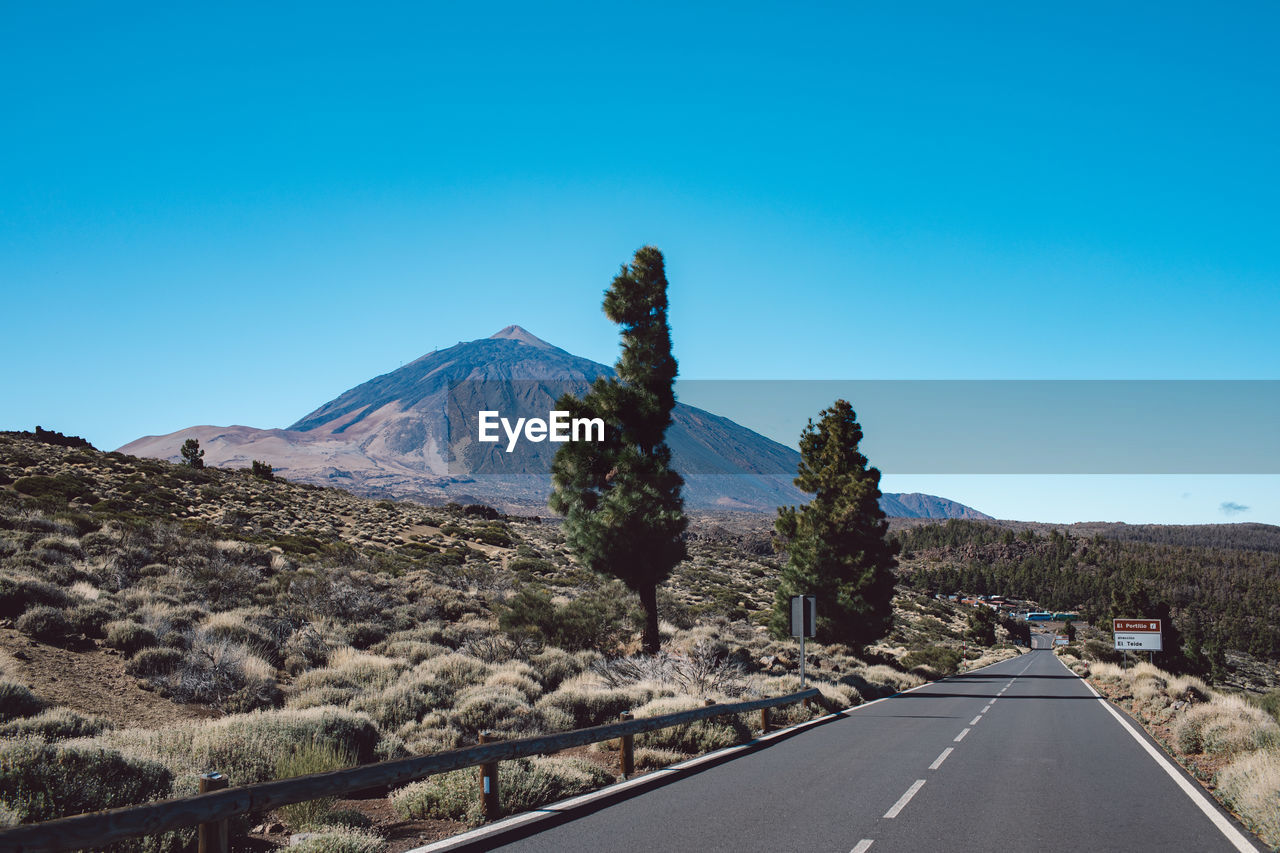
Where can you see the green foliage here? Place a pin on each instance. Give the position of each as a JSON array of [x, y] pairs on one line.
[[60, 489], [1211, 598], [44, 781], [982, 626], [192, 455], [940, 659], [310, 757], [589, 707], [836, 545], [262, 470], [595, 620], [620, 497]]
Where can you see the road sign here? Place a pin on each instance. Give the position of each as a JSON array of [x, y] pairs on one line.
[[1061, 640], [1138, 635], [804, 615]]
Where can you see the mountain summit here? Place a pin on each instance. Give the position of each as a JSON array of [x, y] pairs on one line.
[[413, 433]]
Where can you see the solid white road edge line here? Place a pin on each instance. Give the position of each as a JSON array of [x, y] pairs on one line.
[[1199, 797], [937, 762], [862, 846], [904, 799]]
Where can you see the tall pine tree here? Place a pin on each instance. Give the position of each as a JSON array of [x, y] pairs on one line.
[[620, 498], [836, 545]]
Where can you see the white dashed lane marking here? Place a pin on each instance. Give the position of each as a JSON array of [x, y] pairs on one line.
[[937, 762], [960, 736], [862, 846], [975, 720], [904, 799]]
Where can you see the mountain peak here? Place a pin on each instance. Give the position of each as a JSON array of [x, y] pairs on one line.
[[524, 336]]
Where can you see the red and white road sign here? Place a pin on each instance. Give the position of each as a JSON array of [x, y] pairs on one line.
[[1138, 635]]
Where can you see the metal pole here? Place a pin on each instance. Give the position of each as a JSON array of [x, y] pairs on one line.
[[212, 837], [802, 658]]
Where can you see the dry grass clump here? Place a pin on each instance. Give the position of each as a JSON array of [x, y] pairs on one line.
[[1250, 785], [525, 783], [1221, 726], [693, 738], [54, 724], [338, 839], [352, 669], [310, 757], [1225, 725], [246, 747], [457, 669]]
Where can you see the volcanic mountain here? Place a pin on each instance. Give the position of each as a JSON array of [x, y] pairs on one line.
[[413, 433]]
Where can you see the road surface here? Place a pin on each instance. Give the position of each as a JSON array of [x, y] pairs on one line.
[[1018, 756]]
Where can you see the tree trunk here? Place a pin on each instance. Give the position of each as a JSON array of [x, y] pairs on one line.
[[649, 600]]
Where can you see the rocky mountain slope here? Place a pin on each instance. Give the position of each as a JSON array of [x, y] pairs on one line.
[[412, 433]]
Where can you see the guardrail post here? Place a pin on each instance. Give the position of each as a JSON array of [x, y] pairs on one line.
[[627, 755], [212, 836], [489, 805], [764, 720]]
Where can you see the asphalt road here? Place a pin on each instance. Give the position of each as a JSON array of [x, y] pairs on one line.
[[1017, 756]]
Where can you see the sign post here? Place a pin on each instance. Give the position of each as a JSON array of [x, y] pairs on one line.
[[804, 618], [1137, 635]]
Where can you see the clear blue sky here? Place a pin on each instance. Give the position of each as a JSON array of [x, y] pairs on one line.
[[232, 213]]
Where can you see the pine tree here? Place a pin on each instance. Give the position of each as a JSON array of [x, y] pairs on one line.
[[192, 455], [620, 498], [836, 546]]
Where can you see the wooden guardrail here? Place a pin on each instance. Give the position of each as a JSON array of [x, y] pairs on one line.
[[97, 829]]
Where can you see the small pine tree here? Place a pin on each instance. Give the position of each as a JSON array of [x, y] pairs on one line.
[[192, 455], [620, 498], [836, 546], [982, 626]]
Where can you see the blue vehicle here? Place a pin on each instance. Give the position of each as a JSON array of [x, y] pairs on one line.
[[1040, 616]]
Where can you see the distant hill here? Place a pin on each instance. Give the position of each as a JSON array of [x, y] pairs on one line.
[[916, 505], [412, 433]]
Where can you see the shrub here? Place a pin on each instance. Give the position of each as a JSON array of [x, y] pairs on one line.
[[262, 470], [697, 737], [405, 702], [498, 708], [458, 669], [339, 840], [940, 659], [128, 636], [50, 624], [55, 724], [310, 757], [154, 661], [600, 619], [17, 594], [523, 784], [91, 619], [16, 700], [589, 707], [1248, 786], [43, 781]]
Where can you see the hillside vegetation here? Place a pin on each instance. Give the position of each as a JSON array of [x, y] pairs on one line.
[[1216, 597], [159, 620]]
